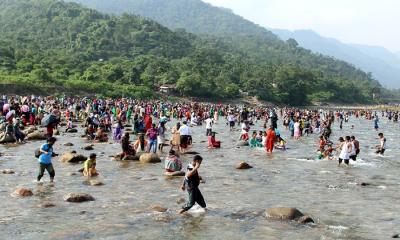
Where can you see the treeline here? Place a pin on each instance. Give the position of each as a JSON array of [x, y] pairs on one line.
[[55, 45]]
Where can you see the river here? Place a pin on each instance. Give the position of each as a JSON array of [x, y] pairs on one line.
[[236, 199]]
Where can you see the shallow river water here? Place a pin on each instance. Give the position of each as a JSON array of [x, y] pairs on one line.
[[236, 199]]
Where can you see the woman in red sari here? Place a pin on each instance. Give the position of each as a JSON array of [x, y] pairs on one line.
[[269, 143]]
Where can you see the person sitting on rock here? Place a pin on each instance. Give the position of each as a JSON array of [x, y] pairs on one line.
[[89, 167], [101, 136], [90, 131], [69, 125], [212, 142], [172, 162], [127, 148]]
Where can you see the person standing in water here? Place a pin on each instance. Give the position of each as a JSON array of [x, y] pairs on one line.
[[192, 180], [46, 153], [382, 146], [345, 152], [356, 145], [376, 121], [270, 139]]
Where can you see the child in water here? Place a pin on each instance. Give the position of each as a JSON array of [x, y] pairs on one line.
[[281, 144], [89, 167]]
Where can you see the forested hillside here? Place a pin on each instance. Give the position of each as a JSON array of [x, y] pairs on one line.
[[50, 43]]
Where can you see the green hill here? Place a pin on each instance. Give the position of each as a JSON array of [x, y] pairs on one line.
[[47, 45]]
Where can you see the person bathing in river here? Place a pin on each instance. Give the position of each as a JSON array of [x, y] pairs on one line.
[[253, 142], [346, 150], [127, 148], [89, 167], [281, 144], [356, 145], [212, 142], [382, 146], [141, 143], [172, 162], [191, 183], [271, 137]]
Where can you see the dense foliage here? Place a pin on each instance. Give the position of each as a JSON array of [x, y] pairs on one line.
[[46, 43]]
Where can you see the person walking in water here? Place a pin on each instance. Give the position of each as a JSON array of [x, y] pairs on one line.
[[46, 153], [192, 180], [269, 145], [382, 146], [356, 145], [345, 152]]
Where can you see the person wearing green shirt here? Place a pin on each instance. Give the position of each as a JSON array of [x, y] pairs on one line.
[[89, 167]]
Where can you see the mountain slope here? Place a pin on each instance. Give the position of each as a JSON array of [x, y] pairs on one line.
[[383, 64], [242, 35], [71, 48]]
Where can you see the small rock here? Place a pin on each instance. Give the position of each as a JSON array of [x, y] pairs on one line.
[[22, 192], [47, 205], [305, 219], [72, 157], [284, 213], [157, 208], [242, 144], [72, 130], [243, 165], [396, 236], [78, 197], [88, 148], [365, 184], [68, 144], [95, 183], [7, 171]]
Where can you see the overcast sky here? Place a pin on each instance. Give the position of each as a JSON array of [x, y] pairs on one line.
[[371, 22]]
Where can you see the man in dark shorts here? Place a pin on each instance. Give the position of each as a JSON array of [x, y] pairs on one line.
[[192, 180]]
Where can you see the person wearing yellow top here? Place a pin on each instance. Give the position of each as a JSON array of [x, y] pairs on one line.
[[89, 167]]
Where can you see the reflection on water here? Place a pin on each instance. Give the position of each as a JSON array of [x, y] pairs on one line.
[[343, 208]]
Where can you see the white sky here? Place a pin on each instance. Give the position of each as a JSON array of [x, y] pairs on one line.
[[370, 22]]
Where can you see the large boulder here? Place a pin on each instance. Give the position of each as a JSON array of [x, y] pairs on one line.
[[36, 135], [131, 158], [286, 213], [149, 158], [7, 138], [29, 130], [22, 192], [78, 197], [72, 157], [243, 165]]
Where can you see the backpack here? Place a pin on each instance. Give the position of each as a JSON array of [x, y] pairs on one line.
[[38, 153]]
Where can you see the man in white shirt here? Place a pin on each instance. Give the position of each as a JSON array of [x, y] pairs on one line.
[[209, 123], [185, 133]]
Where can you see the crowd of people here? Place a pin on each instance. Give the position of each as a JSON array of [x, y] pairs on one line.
[[141, 127]]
